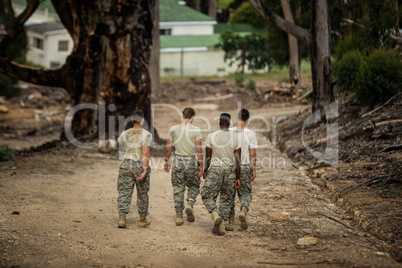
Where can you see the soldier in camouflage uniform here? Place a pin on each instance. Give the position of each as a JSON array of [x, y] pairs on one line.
[[187, 165], [248, 142], [134, 171], [222, 173]]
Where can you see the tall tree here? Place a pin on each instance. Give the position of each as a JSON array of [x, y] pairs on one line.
[[109, 62], [155, 51], [317, 39], [294, 63], [212, 8]]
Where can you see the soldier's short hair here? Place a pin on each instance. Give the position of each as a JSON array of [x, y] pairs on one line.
[[188, 112], [243, 114], [224, 119], [138, 115]]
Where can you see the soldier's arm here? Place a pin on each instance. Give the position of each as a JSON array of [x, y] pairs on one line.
[[237, 154], [253, 159], [208, 154], [200, 156], [168, 150], [145, 162]]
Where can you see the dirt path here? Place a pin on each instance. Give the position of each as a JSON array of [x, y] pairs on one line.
[[66, 202]]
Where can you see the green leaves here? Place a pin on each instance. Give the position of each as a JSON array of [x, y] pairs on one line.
[[245, 50]]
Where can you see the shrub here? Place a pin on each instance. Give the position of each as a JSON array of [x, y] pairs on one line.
[[379, 77], [346, 69], [348, 44], [6, 153], [239, 79], [8, 87], [251, 85]]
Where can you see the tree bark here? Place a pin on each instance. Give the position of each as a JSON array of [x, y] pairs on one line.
[[109, 61], [294, 63], [318, 42], [155, 51], [198, 5], [212, 9], [320, 55]]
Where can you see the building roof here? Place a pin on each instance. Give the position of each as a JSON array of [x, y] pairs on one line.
[[46, 28], [42, 6], [173, 11], [186, 41], [169, 11]]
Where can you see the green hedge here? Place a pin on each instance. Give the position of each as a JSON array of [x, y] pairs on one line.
[[374, 78], [379, 77]]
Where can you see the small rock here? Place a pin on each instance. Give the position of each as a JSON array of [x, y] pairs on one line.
[[15, 213], [307, 241], [278, 216], [59, 234], [307, 231], [3, 109]]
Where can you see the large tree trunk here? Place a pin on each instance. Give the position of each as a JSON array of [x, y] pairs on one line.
[[320, 55], [155, 51], [212, 8], [109, 62], [294, 63]]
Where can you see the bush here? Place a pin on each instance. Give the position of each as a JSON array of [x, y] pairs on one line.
[[6, 153], [379, 77], [251, 85], [8, 87], [348, 44], [239, 79], [346, 69]]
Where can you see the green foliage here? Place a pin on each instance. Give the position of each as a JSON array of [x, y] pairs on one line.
[[385, 191], [8, 87], [346, 69], [379, 77], [349, 43], [249, 50], [251, 84], [6, 153], [239, 79], [248, 15]]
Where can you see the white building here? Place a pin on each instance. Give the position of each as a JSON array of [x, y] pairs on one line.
[[187, 40], [49, 44]]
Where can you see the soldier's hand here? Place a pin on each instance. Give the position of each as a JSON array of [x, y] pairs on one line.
[[142, 176], [237, 184], [166, 166], [252, 176]]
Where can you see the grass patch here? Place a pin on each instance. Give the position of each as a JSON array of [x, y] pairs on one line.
[[275, 73]]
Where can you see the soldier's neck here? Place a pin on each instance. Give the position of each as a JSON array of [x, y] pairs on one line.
[[241, 125], [137, 126], [186, 122]]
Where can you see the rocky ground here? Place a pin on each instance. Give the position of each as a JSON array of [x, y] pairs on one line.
[[367, 180]]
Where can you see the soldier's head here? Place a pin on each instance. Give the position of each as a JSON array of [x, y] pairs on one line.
[[243, 115], [138, 117], [224, 120], [188, 113]]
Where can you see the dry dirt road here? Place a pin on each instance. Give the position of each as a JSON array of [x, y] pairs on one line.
[[58, 209]]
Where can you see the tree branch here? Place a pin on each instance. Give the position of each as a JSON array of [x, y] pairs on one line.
[[16, 25], [270, 16], [45, 77], [10, 11], [63, 9]]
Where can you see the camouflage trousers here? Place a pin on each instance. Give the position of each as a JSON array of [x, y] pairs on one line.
[[129, 171], [219, 181], [185, 173], [244, 192]]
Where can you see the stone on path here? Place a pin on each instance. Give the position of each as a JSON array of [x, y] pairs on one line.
[[307, 241]]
